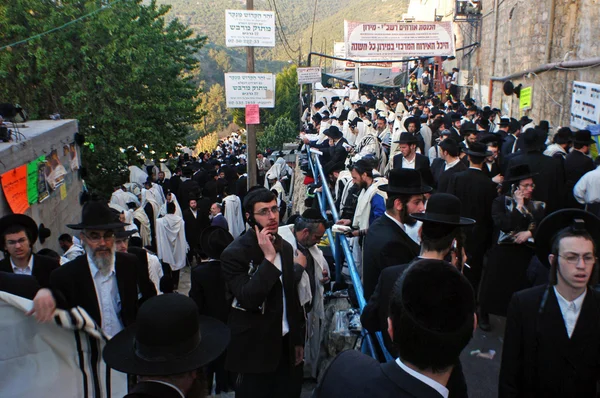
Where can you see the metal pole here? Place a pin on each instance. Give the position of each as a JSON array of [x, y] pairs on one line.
[[251, 128]]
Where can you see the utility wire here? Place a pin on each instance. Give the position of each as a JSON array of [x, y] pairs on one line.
[[313, 27], [59, 27], [281, 27], [279, 30]]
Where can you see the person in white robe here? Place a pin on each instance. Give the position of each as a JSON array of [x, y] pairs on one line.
[[137, 175], [171, 244], [233, 214], [170, 198], [145, 230]]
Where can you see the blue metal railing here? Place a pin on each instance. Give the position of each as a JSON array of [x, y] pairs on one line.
[[339, 244]]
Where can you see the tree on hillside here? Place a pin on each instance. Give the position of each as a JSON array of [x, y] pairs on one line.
[[124, 73], [214, 110], [277, 134]]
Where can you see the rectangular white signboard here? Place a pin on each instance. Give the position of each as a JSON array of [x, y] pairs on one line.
[[309, 75], [249, 28], [585, 105], [243, 89]]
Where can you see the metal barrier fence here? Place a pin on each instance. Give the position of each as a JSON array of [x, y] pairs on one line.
[[340, 245]]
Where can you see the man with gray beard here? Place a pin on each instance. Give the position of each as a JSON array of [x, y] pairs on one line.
[[103, 282]]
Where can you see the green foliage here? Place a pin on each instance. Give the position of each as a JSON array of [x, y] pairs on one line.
[[277, 134], [287, 93], [124, 73], [213, 108]]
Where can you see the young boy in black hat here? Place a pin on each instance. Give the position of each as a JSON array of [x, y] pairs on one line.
[[551, 345]]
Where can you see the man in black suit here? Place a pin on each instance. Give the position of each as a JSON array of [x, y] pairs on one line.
[[187, 188], [387, 243], [337, 151], [577, 163], [164, 183], [18, 234], [551, 346], [476, 192], [408, 158], [550, 178], [210, 294], [196, 218], [431, 320], [266, 319], [103, 282], [449, 151]]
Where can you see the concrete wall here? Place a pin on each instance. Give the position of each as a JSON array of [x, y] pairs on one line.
[[522, 33], [41, 137]]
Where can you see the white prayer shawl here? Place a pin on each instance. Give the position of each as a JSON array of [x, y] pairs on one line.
[[368, 146], [170, 241], [426, 134], [345, 176], [137, 175], [352, 115], [120, 198], [233, 215], [314, 334], [163, 209], [52, 359], [322, 137], [158, 194], [380, 105], [363, 206], [555, 148], [165, 169], [280, 193], [155, 270], [145, 231], [129, 220], [148, 197], [74, 251], [400, 109]]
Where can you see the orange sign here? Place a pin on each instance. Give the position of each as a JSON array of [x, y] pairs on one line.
[[14, 185]]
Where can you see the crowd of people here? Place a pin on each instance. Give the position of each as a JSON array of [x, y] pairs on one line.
[[453, 213]]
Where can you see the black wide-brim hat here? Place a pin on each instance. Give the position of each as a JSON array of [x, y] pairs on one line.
[[333, 132], [478, 149], [518, 173], [407, 138], [169, 337], [214, 240], [123, 233], [583, 137], [414, 120], [443, 208], [557, 221], [405, 182], [97, 215], [20, 219], [44, 233]]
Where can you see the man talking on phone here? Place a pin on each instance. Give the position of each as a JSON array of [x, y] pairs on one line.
[[262, 273]]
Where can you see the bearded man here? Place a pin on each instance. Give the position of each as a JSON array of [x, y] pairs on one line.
[[103, 282]]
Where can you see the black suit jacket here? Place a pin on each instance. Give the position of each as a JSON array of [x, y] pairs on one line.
[[337, 153], [209, 291], [195, 225], [576, 165], [150, 389], [25, 286], [74, 286], [353, 374], [386, 244], [539, 359], [549, 183], [42, 268], [186, 189], [446, 176], [256, 317], [421, 165]]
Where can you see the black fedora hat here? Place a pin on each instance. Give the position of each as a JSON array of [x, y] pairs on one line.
[[583, 137], [168, 337], [407, 138], [504, 122], [443, 208], [525, 120], [478, 149], [490, 138], [97, 215], [559, 220], [43, 233], [333, 132], [414, 120], [213, 240], [518, 173], [455, 117], [23, 220], [122, 233], [337, 166], [405, 182]]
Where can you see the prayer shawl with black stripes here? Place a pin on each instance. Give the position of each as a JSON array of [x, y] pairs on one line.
[[62, 358]]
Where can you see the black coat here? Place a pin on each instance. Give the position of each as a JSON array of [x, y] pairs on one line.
[[539, 359], [174, 183], [42, 268], [446, 176], [337, 153], [25, 286], [507, 146], [353, 374], [421, 165], [386, 244], [576, 165], [549, 183], [437, 168], [150, 389], [74, 286], [195, 225], [186, 190], [255, 320], [209, 292]]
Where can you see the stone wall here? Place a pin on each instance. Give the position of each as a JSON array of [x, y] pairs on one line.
[[522, 33], [41, 138]]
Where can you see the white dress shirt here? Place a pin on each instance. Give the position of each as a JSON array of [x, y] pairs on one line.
[[285, 327], [587, 189], [398, 223], [442, 390], [23, 271], [408, 164], [570, 310], [451, 165], [109, 300]]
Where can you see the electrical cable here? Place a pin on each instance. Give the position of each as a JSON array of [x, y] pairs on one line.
[[60, 27], [281, 28], [312, 32]]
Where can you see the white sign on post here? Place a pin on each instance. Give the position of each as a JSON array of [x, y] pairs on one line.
[[309, 75], [249, 28], [585, 105], [243, 89]]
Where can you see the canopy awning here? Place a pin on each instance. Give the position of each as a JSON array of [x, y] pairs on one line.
[[380, 77]]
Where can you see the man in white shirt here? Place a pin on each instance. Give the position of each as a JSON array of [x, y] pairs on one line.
[[551, 345], [587, 189]]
